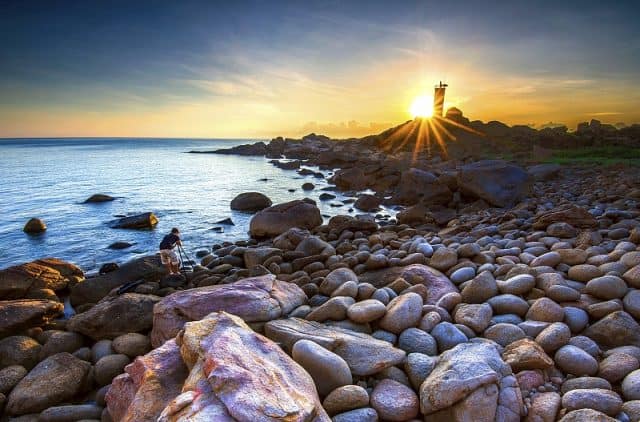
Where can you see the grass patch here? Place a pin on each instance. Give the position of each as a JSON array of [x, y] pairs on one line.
[[604, 155]]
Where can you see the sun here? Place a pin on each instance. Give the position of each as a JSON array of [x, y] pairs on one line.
[[422, 106]]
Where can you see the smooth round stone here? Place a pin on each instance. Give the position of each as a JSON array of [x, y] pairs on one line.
[[462, 274], [394, 401], [394, 373], [449, 301], [101, 349], [468, 250], [631, 386], [602, 309], [576, 318], [328, 370], [350, 289], [366, 414], [443, 259], [583, 415], [335, 279], [76, 412], [132, 344], [402, 312], [544, 407], [506, 319], [504, 334], [345, 398], [480, 289], [584, 382], [447, 336], [617, 366], [575, 361], [586, 344], [366, 311], [509, 304], [425, 249], [429, 320], [108, 367], [632, 276], [632, 409], [518, 285], [334, 309], [381, 295], [545, 309], [554, 337], [414, 340], [61, 341], [475, 316], [584, 272], [533, 328], [605, 401], [549, 259], [418, 367], [365, 291], [573, 256], [629, 350], [83, 353], [606, 287], [631, 303], [560, 293], [10, 376], [630, 259]]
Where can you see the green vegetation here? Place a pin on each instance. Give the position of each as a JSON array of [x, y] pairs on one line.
[[604, 155]]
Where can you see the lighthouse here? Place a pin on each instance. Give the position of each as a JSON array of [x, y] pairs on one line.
[[438, 99]]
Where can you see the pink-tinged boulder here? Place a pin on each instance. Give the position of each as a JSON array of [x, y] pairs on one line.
[[94, 289], [47, 273], [19, 315], [115, 315], [437, 284], [364, 354], [250, 377], [279, 218], [254, 299], [148, 385]]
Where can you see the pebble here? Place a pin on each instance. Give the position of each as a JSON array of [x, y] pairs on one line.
[[366, 311], [394, 401], [447, 336], [575, 361], [631, 386], [606, 287], [605, 401], [545, 309], [554, 337], [366, 414], [345, 398], [616, 366], [414, 340], [475, 316], [328, 370], [108, 367], [402, 312], [517, 285], [132, 344]]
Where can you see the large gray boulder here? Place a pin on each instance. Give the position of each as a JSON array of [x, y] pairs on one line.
[[279, 218], [421, 186], [499, 183], [471, 382]]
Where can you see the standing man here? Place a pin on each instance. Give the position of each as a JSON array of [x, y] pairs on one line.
[[168, 255]]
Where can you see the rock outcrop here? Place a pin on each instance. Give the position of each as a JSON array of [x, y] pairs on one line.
[[279, 218]]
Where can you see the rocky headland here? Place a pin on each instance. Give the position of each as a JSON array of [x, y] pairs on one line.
[[501, 290]]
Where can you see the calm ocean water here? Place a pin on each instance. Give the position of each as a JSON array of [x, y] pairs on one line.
[[50, 178]]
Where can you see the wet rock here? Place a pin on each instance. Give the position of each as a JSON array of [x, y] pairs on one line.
[[367, 203], [147, 220], [99, 197], [250, 202], [34, 226]]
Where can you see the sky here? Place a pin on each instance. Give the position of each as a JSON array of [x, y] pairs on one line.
[[260, 69]]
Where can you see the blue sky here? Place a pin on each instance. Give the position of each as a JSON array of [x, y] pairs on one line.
[[235, 69]]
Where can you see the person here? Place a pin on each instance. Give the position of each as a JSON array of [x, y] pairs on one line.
[[168, 255]]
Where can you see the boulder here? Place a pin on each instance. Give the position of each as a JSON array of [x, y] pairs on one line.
[[420, 186], [279, 218], [340, 223], [93, 289], [56, 379], [22, 314], [238, 374], [349, 179], [255, 299], [328, 370], [471, 382], [250, 202], [115, 315], [437, 284], [542, 172], [146, 220], [364, 354], [34, 226], [367, 202], [148, 384], [47, 273], [99, 197], [497, 182]]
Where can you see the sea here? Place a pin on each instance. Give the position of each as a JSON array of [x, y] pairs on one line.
[[51, 178]]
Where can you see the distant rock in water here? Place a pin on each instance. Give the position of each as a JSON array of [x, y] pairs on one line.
[[120, 245], [308, 186], [99, 197], [250, 202], [226, 221], [146, 220], [35, 226], [286, 165], [326, 196], [259, 148], [108, 267]]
